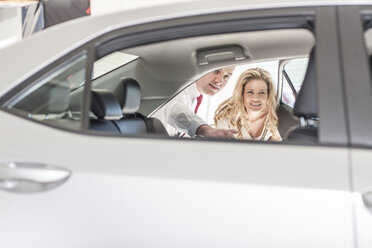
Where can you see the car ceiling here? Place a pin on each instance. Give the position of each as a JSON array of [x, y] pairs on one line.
[[175, 62], [164, 68]]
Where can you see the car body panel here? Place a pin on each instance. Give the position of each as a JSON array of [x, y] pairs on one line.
[[357, 77], [172, 192], [221, 201], [357, 81], [362, 184]]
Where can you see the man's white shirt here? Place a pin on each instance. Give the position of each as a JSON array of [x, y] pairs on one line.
[[178, 114]]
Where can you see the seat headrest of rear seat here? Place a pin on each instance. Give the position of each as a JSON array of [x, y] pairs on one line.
[[128, 93], [105, 106]]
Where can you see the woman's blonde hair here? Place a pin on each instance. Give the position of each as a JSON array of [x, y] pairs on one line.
[[233, 108]]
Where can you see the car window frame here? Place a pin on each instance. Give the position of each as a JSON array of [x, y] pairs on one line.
[[332, 128], [47, 70], [354, 21], [297, 17]]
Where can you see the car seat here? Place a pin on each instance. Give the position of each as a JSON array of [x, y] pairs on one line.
[[117, 112], [106, 109], [306, 107], [128, 93]]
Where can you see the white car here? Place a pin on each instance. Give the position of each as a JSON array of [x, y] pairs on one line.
[[71, 176]]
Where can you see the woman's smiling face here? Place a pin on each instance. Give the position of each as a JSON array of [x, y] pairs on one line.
[[255, 95]]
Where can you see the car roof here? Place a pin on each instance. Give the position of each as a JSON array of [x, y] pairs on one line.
[[29, 55]]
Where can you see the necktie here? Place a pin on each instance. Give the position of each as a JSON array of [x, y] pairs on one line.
[[198, 102]]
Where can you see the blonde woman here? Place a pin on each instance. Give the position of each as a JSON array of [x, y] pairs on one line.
[[252, 109]]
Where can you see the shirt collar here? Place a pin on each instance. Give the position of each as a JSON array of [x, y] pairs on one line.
[[194, 91]]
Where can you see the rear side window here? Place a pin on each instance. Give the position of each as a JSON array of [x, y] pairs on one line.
[[293, 74], [111, 62], [56, 98]]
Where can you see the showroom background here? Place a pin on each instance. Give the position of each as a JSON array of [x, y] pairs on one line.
[[15, 25]]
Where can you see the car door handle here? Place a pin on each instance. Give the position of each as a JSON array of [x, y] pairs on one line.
[[21, 177]]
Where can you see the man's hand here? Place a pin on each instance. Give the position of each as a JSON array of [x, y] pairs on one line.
[[208, 131]]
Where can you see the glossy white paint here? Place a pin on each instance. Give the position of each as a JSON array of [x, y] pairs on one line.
[[141, 192], [362, 183]]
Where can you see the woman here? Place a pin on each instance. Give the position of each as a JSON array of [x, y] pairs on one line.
[[252, 108]]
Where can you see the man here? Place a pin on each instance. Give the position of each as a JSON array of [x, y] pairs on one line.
[[179, 115]]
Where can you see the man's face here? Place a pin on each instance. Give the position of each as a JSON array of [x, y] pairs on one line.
[[214, 81]]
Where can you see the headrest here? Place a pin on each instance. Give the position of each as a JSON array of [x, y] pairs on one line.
[[105, 106], [59, 96], [306, 102], [128, 93]]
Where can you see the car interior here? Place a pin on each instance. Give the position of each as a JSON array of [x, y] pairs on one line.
[[125, 95], [305, 107], [183, 61], [117, 112]]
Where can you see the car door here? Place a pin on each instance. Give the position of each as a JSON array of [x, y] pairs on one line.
[[356, 42], [169, 192]]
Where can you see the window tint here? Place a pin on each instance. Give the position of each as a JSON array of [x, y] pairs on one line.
[[56, 98], [295, 70]]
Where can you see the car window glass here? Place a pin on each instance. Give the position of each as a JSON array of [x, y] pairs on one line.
[[159, 77], [210, 104], [295, 69], [55, 99], [111, 62]]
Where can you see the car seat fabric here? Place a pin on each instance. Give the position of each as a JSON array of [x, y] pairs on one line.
[[110, 117], [306, 106], [306, 102], [128, 93], [286, 120], [131, 124], [116, 112], [106, 108]]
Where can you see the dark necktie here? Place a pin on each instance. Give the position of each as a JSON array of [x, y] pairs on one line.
[[198, 102]]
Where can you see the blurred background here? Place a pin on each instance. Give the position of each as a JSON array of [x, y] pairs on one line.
[[20, 18]]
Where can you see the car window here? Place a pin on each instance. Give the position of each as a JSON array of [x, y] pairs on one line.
[[111, 62], [210, 104], [293, 74], [295, 69], [55, 99], [132, 85]]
